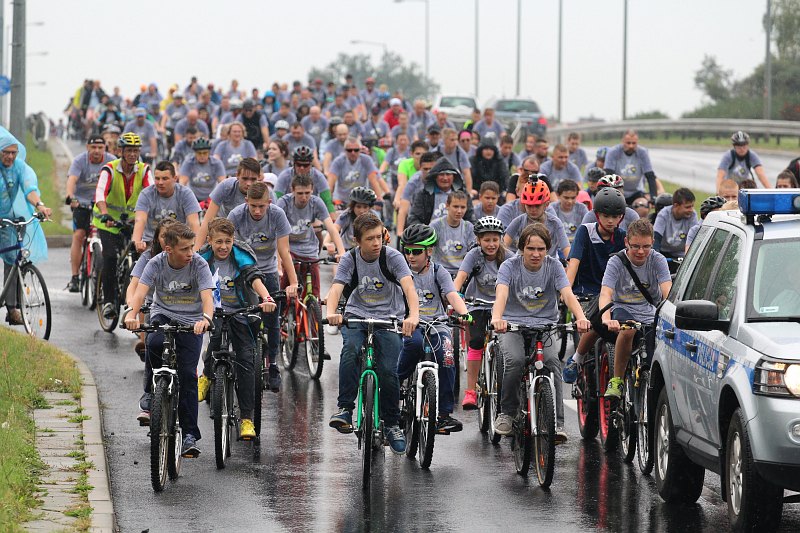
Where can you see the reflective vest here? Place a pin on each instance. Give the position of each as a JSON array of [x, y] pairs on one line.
[[115, 201]]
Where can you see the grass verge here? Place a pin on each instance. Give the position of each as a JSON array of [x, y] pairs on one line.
[[716, 141], [43, 164], [27, 367]]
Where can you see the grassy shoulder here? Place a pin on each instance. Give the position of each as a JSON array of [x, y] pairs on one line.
[[43, 164], [783, 143], [27, 367]]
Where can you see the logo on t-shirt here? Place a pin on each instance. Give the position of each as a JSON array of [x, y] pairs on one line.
[[425, 296], [301, 227], [177, 286], [259, 237], [226, 282], [440, 211], [532, 293], [234, 160], [630, 170], [352, 176], [166, 213], [369, 284], [201, 178], [572, 228], [452, 246]]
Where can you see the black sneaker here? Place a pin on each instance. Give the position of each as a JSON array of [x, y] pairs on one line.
[[274, 378], [190, 450], [74, 286], [447, 424]]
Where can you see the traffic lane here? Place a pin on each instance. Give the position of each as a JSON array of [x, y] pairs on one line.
[[308, 475]]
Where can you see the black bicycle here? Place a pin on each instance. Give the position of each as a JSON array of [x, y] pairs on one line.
[[124, 262]]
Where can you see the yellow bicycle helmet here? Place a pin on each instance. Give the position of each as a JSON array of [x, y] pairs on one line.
[[130, 139]]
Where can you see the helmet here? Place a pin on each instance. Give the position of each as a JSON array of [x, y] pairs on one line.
[[335, 121], [740, 138], [535, 193], [489, 224], [419, 235], [710, 204], [610, 180], [609, 201], [663, 200], [595, 173], [201, 144], [303, 153], [362, 195], [601, 153], [282, 125], [130, 139]]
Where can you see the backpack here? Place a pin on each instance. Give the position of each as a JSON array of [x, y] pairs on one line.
[[746, 161]]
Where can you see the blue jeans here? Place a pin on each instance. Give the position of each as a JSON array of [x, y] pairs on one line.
[[187, 346], [414, 351], [387, 351], [272, 320]]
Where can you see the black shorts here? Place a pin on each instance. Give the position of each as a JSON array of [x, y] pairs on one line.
[[81, 218]]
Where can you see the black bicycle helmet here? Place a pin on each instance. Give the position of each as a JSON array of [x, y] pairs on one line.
[[609, 201], [710, 204], [362, 195], [663, 200], [595, 173], [419, 235], [303, 154], [335, 121], [489, 224], [201, 144]]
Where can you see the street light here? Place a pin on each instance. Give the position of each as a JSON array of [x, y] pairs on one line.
[[427, 30], [625, 60]]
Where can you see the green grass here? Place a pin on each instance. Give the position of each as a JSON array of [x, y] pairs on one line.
[[27, 367], [43, 164], [714, 141]]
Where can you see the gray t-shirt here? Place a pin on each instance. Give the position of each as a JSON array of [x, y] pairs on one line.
[[692, 233], [631, 168], [202, 178], [571, 220], [183, 125], [262, 235], [431, 303], [231, 155], [351, 175], [509, 211], [458, 158], [177, 291], [558, 235], [345, 223], [452, 243], [673, 232], [87, 174], [315, 129], [579, 158], [181, 151], [306, 140], [483, 128], [736, 169], [176, 113], [630, 216], [375, 129], [627, 295], [333, 147], [484, 283], [180, 205], [227, 195], [413, 186], [374, 296], [146, 131], [439, 204], [478, 212], [532, 296], [569, 172], [302, 238], [290, 117], [411, 131], [284, 183], [223, 277]]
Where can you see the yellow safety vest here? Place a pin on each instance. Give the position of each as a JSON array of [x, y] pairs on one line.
[[115, 201]]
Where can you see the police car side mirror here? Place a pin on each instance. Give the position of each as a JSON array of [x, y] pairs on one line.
[[699, 315]]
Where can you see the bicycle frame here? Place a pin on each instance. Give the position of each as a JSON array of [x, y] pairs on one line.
[[20, 260], [534, 377], [368, 370]]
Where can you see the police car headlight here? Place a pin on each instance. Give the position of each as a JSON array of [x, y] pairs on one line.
[[792, 379], [774, 378]]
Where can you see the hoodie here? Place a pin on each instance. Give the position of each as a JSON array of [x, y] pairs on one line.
[[247, 271], [493, 169], [423, 205]]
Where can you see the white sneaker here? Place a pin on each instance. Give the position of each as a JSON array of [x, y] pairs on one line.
[[331, 330], [504, 424]]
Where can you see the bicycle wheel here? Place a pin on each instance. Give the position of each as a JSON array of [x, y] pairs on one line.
[[609, 436], [175, 439], [159, 436], [219, 412], [94, 274], [427, 426], [545, 440], [564, 317], [523, 440], [288, 347], [409, 414], [626, 419], [367, 429], [84, 272], [34, 302], [233, 425], [258, 369], [493, 381], [107, 324], [315, 338], [588, 423], [482, 399], [457, 357], [644, 444]]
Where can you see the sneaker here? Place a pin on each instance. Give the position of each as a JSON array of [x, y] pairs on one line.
[[14, 317], [503, 424], [331, 330], [248, 430], [396, 438], [342, 421], [561, 435], [470, 402], [190, 450], [108, 311], [143, 418], [570, 372], [203, 384], [274, 378], [140, 349], [74, 285], [614, 389], [326, 356], [446, 424], [146, 401]]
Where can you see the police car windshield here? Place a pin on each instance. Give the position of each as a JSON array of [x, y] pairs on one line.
[[775, 281]]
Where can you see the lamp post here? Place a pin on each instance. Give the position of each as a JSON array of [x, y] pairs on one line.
[[768, 66], [625, 60], [427, 32], [16, 119], [476, 48]]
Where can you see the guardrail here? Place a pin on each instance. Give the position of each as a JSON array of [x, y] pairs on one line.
[[685, 128]]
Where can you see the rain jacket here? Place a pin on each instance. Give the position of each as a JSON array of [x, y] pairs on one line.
[[493, 169], [422, 207]]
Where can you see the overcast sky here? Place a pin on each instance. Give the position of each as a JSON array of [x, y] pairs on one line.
[[258, 42]]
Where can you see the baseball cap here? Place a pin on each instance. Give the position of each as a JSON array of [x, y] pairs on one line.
[[395, 101], [140, 112], [434, 129], [270, 179], [96, 139]]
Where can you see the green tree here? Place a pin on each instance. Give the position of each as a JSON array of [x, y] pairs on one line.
[[786, 28], [713, 80], [649, 115]]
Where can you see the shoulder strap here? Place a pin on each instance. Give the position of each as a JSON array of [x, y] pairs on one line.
[[436, 281], [350, 287], [382, 263], [625, 261]]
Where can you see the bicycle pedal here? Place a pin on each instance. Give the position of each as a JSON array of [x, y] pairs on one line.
[[442, 431]]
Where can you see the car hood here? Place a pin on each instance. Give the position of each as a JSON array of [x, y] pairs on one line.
[[775, 339]]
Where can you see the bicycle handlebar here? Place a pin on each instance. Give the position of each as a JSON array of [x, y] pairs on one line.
[[537, 329], [350, 322], [323, 260], [219, 313], [6, 222], [166, 328], [478, 301]]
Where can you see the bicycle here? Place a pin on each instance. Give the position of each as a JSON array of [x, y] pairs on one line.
[[300, 323], [534, 426], [487, 385], [124, 265], [32, 295], [368, 426], [89, 271], [261, 369], [460, 341], [566, 317]]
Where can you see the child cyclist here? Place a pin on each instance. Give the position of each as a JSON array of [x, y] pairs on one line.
[[237, 280], [433, 286], [629, 302], [488, 196], [477, 277], [455, 233], [567, 209], [182, 287], [528, 288], [382, 280], [535, 196], [362, 200]]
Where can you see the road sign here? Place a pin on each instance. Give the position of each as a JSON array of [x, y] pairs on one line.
[[5, 85]]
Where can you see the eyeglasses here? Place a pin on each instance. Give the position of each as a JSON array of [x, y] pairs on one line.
[[413, 251], [10, 152], [641, 247], [302, 165], [353, 150], [637, 206]]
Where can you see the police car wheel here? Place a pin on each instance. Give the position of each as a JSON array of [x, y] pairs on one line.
[[678, 479]]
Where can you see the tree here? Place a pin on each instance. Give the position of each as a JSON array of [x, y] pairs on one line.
[[714, 81], [392, 71], [786, 28]]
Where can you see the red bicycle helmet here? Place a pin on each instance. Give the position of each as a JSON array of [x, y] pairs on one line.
[[535, 193]]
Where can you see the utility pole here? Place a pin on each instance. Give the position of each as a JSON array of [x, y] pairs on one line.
[[476, 49], [2, 62], [16, 120], [427, 39], [560, 40], [768, 66], [625, 60], [519, 40]]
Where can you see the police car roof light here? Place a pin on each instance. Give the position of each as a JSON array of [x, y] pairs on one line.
[[769, 202]]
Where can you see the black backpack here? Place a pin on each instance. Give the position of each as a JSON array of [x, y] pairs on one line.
[[391, 278], [746, 161]]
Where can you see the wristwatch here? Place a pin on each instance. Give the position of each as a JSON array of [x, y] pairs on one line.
[[40, 203]]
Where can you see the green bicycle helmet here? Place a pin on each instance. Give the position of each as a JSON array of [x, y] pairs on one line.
[[419, 235], [201, 144]]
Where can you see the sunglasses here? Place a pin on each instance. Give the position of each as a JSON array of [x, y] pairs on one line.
[[637, 206], [353, 150], [413, 251], [302, 165]]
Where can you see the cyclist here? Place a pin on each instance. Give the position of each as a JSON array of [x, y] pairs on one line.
[[710, 204], [740, 162], [182, 292], [145, 131], [455, 154], [567, 209], [315, 124], [192, 119], [593, 176], [237, 279], [612, 180], [353, 169], [201, 172], [164, 199], [594, 243], [488, 165], [430, 202], [673, 223], [632, 162], [306, 213], [488, 124], [302, 161], [577, 155], [81, 186], [403, 126], [455, 235], [559, 167], [476, 278], [530, 143], [528, 288], [255, 124], [625, 291], [434, 287], [266, 229], [488, 195], [408, 168], [535, 197], [297, 137], [728, 189], [183, 148], [236, 148], [382, 280], [599, 161], [118, 188], [511, 160], [333, 148], [362, 201]]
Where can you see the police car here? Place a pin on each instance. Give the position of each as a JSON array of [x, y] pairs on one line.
[[725, 385]]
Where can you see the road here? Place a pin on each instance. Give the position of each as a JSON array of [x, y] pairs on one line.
[[307, 476]]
